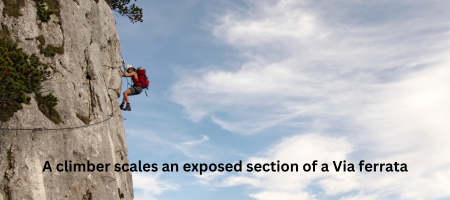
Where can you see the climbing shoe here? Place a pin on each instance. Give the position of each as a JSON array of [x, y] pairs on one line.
[[127, 108], [121, 106]]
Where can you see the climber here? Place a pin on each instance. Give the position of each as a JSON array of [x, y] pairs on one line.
[[133, 90]]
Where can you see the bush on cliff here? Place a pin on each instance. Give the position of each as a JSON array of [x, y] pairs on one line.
[[133, 12], [19, 74], [12, 7], [45, 8]]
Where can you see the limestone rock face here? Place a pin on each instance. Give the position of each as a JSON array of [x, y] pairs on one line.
[[85, 74]]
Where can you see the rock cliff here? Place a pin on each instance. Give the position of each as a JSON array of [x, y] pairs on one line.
[[84, 60]]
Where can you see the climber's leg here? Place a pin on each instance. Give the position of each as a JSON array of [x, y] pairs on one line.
[[125, 96]]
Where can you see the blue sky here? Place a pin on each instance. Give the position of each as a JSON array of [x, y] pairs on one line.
[[295, 81]]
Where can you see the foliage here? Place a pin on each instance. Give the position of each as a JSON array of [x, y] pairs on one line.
[[133, 12], [43, 13], [4, 33], [121, 196], [46, 105], [19, 74], [41, 39], [50, 101], [84, 119], [50, 51], [12, 7]]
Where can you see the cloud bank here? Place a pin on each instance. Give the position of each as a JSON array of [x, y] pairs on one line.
[[148, 185], [369, 79]]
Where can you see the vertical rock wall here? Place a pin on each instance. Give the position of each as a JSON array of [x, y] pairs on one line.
[[85, 73]]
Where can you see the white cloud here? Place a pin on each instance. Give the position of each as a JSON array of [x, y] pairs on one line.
[[148, 185], [298, 149], [409, 124], [380, 78], [168, 143], [288, 74], [361, 196], [281, 195], [207, 177], [268, 23], [195, 142]]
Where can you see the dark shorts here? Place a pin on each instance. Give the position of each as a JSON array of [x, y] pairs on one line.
[[135, 90]]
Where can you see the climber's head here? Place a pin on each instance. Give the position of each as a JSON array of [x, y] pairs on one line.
[[129, 68]]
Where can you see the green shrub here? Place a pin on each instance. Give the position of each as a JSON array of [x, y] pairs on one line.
[[84, 119], [121, 196], [43, 13], [50, 51], [133, 12], [21, 74], [4, 33], [12, 7], [46, 105], [41, 39]]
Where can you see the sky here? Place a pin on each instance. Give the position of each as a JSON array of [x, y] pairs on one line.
[[259, 81]]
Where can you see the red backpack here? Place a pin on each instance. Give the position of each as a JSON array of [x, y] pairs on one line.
[[142, 77]]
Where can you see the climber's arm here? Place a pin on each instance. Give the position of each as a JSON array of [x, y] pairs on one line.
[[131, 74], [127, 75], [124, 74]]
